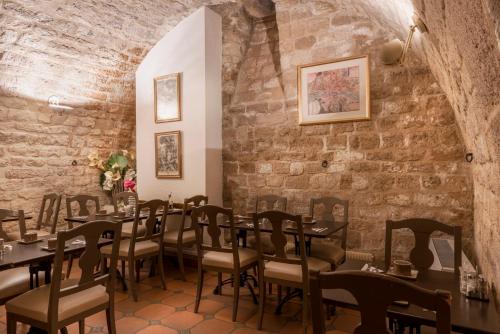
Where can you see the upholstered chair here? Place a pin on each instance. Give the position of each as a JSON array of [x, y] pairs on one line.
[[63, 302], [184, 236]]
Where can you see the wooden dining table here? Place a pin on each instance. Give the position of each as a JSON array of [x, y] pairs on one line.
[[115, 218], [467, 315]]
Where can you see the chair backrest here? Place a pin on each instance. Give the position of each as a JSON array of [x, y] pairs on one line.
[[421, 256], [152, 230], [374, 293], [83, 209], [91, 232], [329, 204], [270, 202], [20, 219], [279, 221], [50, 209], [209, 214], [125, 197]]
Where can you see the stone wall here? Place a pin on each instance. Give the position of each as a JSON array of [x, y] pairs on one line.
[[463, 51], [86, 52], [406, 162]]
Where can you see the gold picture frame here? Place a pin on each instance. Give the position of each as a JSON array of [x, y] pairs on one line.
[[168, 155], [334, 91], [167, 96]]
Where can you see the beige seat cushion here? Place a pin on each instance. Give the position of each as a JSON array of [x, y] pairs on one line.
[[127, 230], [35, 303], [225, 260], [328, 251], [293, 272], [14, 282], [188, 237], [141, 248], [16, 235]]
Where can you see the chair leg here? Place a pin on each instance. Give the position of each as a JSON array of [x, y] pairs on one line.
[[81, 326], [162, 271], [199, 289], [219, 283], [305, 310], [270, 289], [131, 278], [236, 295], [262, 302], [110, 319], [137, 271], [70, 265], [180, 259], [279, 293], [11, 325]]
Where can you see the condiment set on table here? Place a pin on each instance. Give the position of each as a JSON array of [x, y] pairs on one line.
[[474, 285]]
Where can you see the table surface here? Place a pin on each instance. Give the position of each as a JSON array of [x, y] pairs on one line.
[[21, 254], [15, 218], [114, 218], [466, 315], [330, 227]]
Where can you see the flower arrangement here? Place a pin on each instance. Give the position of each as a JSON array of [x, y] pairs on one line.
[[118, 171]]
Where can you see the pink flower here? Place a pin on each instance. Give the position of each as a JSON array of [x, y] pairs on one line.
[[129, 184]]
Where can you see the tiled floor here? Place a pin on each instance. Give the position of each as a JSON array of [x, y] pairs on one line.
[[171, 311]]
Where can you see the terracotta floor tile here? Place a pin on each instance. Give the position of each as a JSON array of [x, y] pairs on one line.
[[130, 306], [157, 329], [243, 314], [271, 322], [99, 319], [182, 320], [247, 330], [155, 312], [207, 306], [178, 300], [346, 322], [295, 327], [130, 325], [212, 326]]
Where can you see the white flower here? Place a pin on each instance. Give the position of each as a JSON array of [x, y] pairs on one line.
[[108, 181], [130, 174]]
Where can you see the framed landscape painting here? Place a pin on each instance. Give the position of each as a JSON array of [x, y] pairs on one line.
[[335, 91], [168, 155], [167, 98]]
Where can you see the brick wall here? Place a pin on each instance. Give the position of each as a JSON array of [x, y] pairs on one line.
[[406, 162]]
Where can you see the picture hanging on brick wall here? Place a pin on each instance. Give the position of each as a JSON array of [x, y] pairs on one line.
[[334, 91], [167, 90], [168, 155]]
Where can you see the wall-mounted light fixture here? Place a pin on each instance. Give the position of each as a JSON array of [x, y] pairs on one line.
[[394, 52], [55, 103]]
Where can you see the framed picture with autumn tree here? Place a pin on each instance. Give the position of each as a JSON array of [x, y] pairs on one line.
[[334, 91]]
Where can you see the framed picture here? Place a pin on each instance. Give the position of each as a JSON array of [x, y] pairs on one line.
[[335, 91], [168, 98], [168, 155]]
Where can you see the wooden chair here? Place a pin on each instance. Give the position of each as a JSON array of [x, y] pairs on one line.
[[14, 282], [215, 257], [185, 236], [83, 210], [148, 245], [282, 268], [20, 218], [374, 293], [328, 249], [421, 256], [127, 197], [61, 303], [47, 218]]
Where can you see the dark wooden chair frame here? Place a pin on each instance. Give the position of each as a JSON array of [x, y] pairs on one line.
[[10, 213], [271, 201], [83, 209], [278, 220], [374, 293], [210, 213], [51, 204], [421, 256], [152, 233], [189, 203], [90, 258], [124, 196]]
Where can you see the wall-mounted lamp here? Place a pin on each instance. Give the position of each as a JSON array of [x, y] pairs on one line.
[[54, 103], [394, 52]]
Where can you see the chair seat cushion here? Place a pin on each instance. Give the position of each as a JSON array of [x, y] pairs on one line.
[[188, 237], [16, 235], [328, 251], [141, 248], [127, 230], [35, 303], [293, 272], [225, 260], [14, 282]]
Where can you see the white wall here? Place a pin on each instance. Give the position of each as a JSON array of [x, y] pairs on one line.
[[193, 48]]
